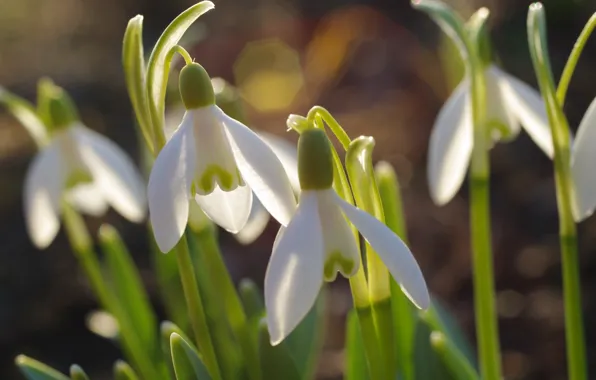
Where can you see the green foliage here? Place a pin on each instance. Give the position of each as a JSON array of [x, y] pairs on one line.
[[34, 370]]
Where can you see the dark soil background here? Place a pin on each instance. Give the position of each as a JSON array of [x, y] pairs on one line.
[[383, 70]]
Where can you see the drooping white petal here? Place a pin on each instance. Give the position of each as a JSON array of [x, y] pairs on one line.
[[227, 209], [287, 154], [295, 271], [113, 172], [88, 199], [391, 249], [258, 219], [528, 107], [497, 112], [43, 187], [173, 120], [261, 170], [169, 188], [450, 145], [338, 238], [583, 161]]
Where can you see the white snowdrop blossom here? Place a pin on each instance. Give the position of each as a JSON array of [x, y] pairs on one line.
[[318, 243], [87, 170], [219, 162], [511, 104]]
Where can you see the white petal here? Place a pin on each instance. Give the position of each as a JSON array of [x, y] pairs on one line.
[[113, 172], [261, 170], [450, 145], [295, 271], [173, 120], [529, 109], [391, 249], [337, 235], [287, 154], [227, 209], [88, 198], [169, 188], [497, 111], [255, 225], [43, 190], [583, 161]]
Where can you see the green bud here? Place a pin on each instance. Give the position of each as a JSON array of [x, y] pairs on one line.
[[196, 89], [61, 109], [315, 160]]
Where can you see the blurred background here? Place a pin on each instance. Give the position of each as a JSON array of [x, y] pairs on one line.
[[381, 69]]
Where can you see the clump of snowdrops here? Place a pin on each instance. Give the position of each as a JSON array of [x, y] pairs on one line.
[[338, 213]]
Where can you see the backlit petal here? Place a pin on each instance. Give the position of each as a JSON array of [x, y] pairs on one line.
[[295, 271], [583, 161], [391, 249], [261, 170], [169, 188], [88, 199], [529, 109], [114, 173], [287, 154], [43, 190], [497, 111], [450, 146], [256, 224], [227, 209]]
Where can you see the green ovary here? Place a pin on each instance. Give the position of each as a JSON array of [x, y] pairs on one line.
[[335, 262], [216, 174]]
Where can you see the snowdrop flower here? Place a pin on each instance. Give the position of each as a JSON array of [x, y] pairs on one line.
[[318, 243], [218, 161], [84, 168], [583, 158], [510, 103]]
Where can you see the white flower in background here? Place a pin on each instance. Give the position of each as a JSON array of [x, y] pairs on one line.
[[87, 170], [510, 104], [218, 161], [583, 161], [318, 242]]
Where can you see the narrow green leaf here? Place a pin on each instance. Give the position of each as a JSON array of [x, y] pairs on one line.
[[187, 362], [477, 31], [356, 367], [123, 371], [26, 114], [158, 69], [129, 290], [167, 329], [276, 361], [133, 61], [452, 358], [77, 373], [251, 298], [35, 370], [427, 363]]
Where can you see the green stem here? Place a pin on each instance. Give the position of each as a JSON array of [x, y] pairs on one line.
[[196, 313], [574, 58], [207, 241]]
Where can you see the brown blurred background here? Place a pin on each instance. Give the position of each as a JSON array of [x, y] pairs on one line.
[[382, 69]]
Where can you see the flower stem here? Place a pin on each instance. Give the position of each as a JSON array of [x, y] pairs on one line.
[[196, 312], [213, 259], [574, 58]]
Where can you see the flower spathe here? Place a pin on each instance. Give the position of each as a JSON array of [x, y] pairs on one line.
[[318, 242], [510, 104], [217, 161], [87, 170]]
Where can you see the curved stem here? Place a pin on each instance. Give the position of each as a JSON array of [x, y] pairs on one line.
[[574, 58]]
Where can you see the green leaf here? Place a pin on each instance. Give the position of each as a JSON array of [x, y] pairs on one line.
[[427, 364], [251, 298], [77, 373], [26, 114], [187, 362], [158, 67], [167, 329], [133, 61], [452, 358], [35, 370], [356, 367], [123, 371], [477, 30], [306, 341], [276, 361], [129, 290]]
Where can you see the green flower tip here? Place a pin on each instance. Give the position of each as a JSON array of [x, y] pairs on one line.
[[196, 89], [61, 108], [315, 160]]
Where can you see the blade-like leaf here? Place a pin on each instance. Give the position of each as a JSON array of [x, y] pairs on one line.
[[123, 371], [77, 373], [158, 68], [167, 329], [26, 114], [35, 370], [276, 361], [187, 362], [427, 364], [251, 298], [356, 367], [458, 365]]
